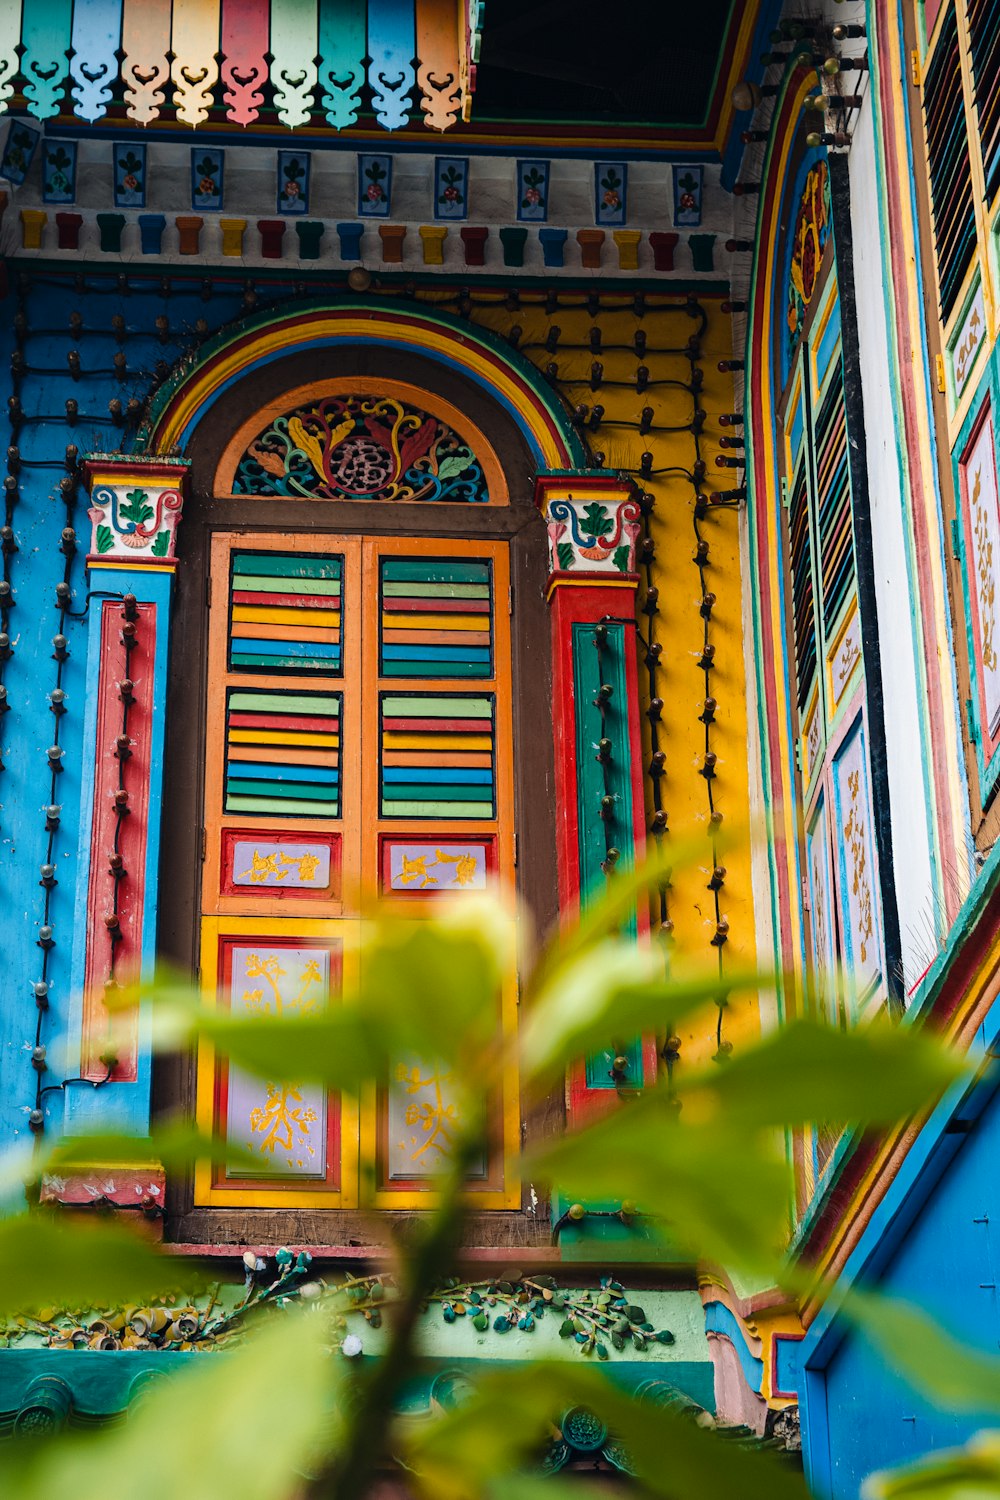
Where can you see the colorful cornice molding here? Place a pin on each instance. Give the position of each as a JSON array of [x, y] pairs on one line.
[[175, 57], [214, 63]]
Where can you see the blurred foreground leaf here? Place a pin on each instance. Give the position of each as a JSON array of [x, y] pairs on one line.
[[174, 1146], [956, 1377], [971, 1473], [809, 1073], [607, 912], [430, 987], [718, 1192], [50, 1261], [433, 986], [477, 1450], [245, 1423], [609, 993]]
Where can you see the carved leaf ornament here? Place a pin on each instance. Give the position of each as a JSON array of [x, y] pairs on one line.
[[361, 448]]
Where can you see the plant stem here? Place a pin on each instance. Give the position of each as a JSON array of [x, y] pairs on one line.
[[350, 1474]]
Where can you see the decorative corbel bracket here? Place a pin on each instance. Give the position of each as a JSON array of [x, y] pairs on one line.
[[593, 522], [135, 506]]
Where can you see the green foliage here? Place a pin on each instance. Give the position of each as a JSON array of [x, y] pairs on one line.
[[701, 1159], [245, 1424], [105, 539], [49, 1261], [510, 1416], [808, 1071], [161, 544], [971, 1473], [610, 987], [713, 1190], [957, 1378]]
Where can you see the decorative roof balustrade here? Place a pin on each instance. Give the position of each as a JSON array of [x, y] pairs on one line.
[[308, 59]]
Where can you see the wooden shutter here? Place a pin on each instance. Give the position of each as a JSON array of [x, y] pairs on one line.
[[948, 163], [984, 36], [359, 748]]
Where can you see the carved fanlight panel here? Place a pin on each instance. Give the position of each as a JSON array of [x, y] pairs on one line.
[[339, 442]]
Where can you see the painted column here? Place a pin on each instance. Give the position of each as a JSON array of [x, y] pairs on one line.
[[135, 507], [593, 529]]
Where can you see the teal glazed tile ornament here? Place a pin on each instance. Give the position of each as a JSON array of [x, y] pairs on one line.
[[130, 175], [18, 153], [59, 171], [293, 182], [533, 191], [374, 186], [451, 187], [610, 192], [208, 165], [688, 185]]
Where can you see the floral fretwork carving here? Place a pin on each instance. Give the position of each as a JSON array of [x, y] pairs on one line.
[[985, 579], [361, 448], [812, 230], [856, 847]]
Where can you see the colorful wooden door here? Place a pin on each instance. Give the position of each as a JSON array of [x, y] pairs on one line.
[[359, 747]]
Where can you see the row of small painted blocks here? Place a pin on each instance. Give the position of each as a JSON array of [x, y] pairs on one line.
[[310, 233]]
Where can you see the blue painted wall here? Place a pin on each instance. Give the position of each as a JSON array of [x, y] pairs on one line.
[[35, 325], [860, 1415]]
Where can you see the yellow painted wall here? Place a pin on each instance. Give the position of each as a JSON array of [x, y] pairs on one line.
[[679, 625]]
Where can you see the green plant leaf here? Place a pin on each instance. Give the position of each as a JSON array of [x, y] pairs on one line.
[[614, 988], [616, 904], [430, 988], [482, 1447], [175, 1145], [211, 1402], [913, 1346], [711, 1191], [433, 985], [105, 539], [47, 1261], [338, 1047], [161, 544], [970, 1473], [811, 1072]]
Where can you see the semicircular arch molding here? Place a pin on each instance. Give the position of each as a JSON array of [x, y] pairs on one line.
[[477, 357]]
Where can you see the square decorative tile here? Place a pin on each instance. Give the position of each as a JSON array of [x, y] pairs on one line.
[[59, 172], [293, 182], [610, 192], [208, 165], [374, 186], [533, 191], [129, 175], [451, 187]]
